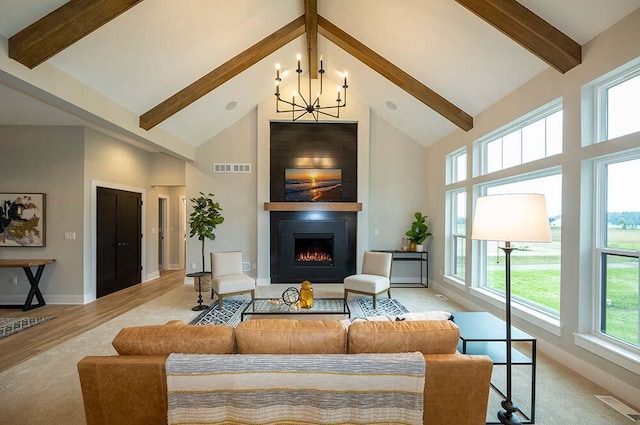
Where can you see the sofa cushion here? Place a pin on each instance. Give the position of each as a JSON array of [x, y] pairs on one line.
[[428, 337], [284, 336], [175, 338]]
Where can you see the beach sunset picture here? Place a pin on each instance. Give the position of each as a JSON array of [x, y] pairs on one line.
[[312, 184]]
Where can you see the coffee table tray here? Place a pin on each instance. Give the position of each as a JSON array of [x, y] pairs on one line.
[[276, 306]]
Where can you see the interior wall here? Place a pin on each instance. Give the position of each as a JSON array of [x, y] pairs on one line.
[[236, 193], [173, 232], [398, 176], [46, 160], [112, 163], [615, 47]]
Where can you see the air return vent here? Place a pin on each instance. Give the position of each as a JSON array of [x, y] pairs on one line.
[[231, 168]]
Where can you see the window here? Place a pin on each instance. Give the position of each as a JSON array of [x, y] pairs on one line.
[[535, 267], [457, 166], [457, 223], [536, 136], [617, 249]]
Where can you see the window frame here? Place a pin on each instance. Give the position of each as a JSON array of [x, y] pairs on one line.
[[452, 166], [453, 236], [480, 248], [536, 115], [599, 248]]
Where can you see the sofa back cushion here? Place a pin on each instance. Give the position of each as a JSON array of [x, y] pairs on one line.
[[284, 336], [427, 336], [167, 339]]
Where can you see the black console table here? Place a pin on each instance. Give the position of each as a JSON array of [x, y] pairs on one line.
[[484, 333], [421, 256]]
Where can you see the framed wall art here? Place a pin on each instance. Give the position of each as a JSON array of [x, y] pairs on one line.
[[22, 219]]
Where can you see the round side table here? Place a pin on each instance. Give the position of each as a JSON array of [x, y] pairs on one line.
[[198, 275]]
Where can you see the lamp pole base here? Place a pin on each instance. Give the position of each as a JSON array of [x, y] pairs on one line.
[[508, 415]]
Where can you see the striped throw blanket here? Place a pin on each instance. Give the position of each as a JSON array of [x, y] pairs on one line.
[[295, 389]]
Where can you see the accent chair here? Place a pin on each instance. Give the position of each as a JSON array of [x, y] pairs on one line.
[[375, 277], [227, 277]]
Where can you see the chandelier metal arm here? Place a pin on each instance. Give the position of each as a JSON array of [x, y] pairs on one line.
[[309, 107]]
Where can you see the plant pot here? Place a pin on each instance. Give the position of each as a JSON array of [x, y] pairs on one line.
[[412, 246], [419, 248]]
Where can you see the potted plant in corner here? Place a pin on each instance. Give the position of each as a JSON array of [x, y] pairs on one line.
[[204, 219], [418, 232]]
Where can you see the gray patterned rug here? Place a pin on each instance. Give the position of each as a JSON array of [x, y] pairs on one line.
[[12, 325], [232, 309]]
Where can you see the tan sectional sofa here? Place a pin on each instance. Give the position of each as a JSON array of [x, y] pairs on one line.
[[131, 389]]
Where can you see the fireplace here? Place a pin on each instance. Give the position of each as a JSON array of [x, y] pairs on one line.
[[312, 245], [313, 249]]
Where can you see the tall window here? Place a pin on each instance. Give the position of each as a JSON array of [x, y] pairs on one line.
[[535, 267], [457, 256], [618, 248], [536, 136], [457, 166]]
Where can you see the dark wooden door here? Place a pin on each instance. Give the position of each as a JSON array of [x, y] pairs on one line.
[[119, 220]]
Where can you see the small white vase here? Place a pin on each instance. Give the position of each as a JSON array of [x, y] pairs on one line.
[[419, 248]]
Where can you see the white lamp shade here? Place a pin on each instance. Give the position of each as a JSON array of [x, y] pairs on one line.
[[514, 217]]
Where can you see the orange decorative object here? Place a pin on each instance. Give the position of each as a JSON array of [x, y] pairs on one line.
[[306, 295]]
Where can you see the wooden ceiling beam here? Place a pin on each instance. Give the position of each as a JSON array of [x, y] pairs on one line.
[[394, 74], [63, 27], [529, 30], [311, 27], [223, 73]]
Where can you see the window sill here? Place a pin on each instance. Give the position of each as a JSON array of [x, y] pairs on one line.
[[528, 314], [607, 350], [454, 280]]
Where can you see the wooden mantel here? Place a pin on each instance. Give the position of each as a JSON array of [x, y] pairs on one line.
[[313, 206]]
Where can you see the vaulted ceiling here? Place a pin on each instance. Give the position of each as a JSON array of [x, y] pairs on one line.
[[191, 68]]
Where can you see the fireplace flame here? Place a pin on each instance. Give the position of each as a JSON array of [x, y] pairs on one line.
[[313, 256]]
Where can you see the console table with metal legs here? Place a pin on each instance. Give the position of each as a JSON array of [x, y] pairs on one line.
[[420, 256], [34, 280]]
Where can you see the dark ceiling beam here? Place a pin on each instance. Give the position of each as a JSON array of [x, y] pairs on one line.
[[529, 30], [394, 74], [223, 73], [311, 26], [63, 27]]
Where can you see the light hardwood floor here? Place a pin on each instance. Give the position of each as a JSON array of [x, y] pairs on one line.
[[73, 320]]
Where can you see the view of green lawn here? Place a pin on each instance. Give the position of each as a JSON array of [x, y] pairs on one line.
[[535, 276]]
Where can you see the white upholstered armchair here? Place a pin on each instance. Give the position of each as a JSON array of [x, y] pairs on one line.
[[375, 277], [227, 277]]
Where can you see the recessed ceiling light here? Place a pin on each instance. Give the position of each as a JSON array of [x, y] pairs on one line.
[[391, 105], [231, 105]]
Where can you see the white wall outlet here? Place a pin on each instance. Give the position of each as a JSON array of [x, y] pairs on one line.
[[70, 236], [14, 280], [253, 266], [193, 266], [245, 266]]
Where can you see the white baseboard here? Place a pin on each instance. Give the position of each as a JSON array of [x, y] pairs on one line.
[[617, 387], [151, 276], [174, 267]]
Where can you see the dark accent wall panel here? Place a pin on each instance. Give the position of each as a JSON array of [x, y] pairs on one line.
[[314, 145]]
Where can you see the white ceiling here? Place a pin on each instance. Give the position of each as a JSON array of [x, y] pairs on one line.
[[158, 47]]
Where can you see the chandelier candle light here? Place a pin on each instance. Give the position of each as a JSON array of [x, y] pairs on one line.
[[520, 217], [305, 105]]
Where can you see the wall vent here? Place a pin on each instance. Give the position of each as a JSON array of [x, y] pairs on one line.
[[231, 168], [616, 404]]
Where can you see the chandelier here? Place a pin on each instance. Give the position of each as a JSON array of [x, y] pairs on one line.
[[300, 105]]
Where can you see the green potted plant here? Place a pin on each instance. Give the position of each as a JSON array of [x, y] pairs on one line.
[[204, 219], [418, 233]]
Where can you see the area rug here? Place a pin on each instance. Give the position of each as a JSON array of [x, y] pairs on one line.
[[12, 325], [232, 309]]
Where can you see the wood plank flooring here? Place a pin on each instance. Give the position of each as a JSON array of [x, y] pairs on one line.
[[73, 320]]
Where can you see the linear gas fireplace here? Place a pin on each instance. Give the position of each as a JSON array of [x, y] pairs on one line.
[[313, 249], [311, 245]]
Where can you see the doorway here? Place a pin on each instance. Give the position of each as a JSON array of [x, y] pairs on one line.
[[118, 240], [163, 233]]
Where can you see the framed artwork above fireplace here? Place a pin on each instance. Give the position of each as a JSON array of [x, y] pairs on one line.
[[312, 184]]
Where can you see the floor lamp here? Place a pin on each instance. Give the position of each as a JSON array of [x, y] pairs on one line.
[[518, 217]]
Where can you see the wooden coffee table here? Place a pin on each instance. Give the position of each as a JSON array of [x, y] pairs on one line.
[[276, 306]]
